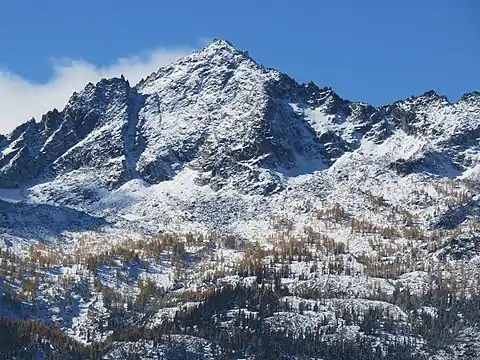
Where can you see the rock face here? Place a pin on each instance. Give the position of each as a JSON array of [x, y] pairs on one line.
[[353, 230], [237, 125], [89, 132]]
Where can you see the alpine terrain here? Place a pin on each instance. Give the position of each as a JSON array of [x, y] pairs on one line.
[[218, 209]]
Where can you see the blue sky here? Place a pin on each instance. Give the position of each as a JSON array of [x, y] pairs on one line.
[[375, 51]]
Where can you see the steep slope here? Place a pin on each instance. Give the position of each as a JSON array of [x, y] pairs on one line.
[[92, 132], [219, 209], [215, 124], [218, 119], [449, 130], [216, 109]]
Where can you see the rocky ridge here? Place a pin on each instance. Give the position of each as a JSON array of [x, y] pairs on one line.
[[216, 177]]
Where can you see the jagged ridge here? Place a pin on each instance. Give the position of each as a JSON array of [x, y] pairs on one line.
[[368, 211], [224, 113]]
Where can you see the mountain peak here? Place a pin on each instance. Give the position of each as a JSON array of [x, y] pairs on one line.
[[433, 95], [471, 96], [223, 46], [430, 93], [220, 55], [222, 43], [427, 97], [214, 159]]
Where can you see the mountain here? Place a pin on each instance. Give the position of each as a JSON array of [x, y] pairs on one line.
[[168, 197]]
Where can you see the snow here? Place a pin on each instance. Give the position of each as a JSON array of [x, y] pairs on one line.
[[131, 217], [215, 143]]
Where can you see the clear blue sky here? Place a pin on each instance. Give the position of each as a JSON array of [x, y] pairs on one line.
[[376, 51]]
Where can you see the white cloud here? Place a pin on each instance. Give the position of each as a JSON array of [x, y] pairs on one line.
[[20, 99]]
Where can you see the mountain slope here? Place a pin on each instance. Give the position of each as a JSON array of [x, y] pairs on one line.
[[214, 135], [218, 200], [225, 116]]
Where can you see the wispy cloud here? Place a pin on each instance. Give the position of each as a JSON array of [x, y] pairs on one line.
[[20, 99]]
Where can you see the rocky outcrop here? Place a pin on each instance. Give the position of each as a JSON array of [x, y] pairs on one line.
[[234, 121]]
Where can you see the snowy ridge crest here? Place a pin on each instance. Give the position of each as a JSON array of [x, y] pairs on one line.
[[229, 125], [218, 209]]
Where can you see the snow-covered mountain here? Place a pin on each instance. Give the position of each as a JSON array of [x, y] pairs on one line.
[[217, 144], [226, 125]]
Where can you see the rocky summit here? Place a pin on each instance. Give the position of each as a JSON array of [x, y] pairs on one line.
[[220, 209]]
